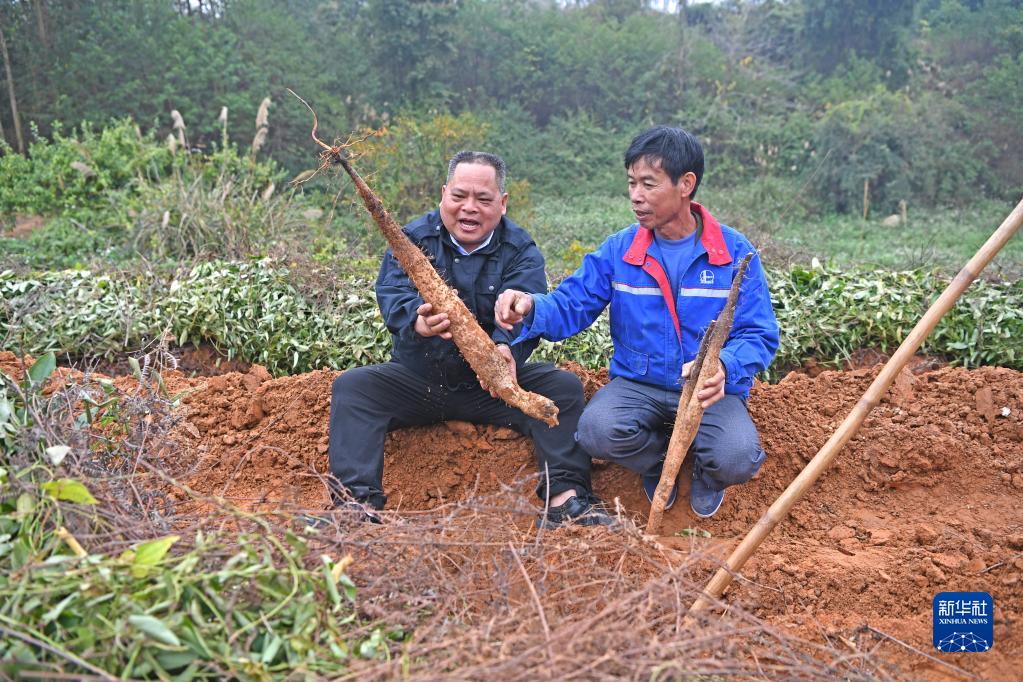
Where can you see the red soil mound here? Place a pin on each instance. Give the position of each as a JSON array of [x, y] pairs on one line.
[[925, 499]]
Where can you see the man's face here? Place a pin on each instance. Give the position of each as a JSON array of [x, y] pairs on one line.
[[658, 204], [471, 205]]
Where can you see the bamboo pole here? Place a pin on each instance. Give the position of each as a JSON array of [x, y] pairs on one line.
[[690, 410], [822, 460]]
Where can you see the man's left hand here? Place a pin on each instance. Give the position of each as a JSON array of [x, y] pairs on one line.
[[713, 389], [506, 352]]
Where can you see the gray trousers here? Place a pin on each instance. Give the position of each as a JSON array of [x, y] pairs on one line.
[[630, 423]]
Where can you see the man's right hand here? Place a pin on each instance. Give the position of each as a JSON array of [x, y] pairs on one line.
[[432, 325], [511, 307]]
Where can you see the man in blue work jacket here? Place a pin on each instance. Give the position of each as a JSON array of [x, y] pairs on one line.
[[480, 253], [666, 277]]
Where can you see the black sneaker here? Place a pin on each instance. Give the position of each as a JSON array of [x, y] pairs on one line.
[[585, 510], [358, 511]]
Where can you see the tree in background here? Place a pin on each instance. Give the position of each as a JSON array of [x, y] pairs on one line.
[[835, 30], [775, 88]]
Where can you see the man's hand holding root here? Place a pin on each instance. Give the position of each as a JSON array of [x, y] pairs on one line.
[[432, 325], [713, 389], [506, 353], [512, 307]]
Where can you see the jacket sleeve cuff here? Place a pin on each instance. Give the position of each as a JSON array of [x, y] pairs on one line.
[[528, 322], [734, 372], [503, 336]]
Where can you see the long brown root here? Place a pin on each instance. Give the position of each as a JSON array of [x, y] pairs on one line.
[[476, 347]]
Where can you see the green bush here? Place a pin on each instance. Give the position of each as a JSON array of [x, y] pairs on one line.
[[907, 150], [827, 314], [78, 172], [573, 154], [250, 311], [221, 205], [254, 311], [119, 193]]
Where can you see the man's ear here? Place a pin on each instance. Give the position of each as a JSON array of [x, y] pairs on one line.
[[443, 190], [504, 204], [687, 182]]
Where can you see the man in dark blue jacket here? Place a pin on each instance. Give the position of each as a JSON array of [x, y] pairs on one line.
[[665, 278], [480, 253]]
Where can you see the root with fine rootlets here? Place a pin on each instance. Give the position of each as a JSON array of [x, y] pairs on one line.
[[476, 347]]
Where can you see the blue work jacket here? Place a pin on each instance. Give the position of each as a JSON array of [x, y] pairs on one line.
[[510, 261], [656, 330]]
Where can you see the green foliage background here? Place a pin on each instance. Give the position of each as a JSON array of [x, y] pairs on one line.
[[917, 97]]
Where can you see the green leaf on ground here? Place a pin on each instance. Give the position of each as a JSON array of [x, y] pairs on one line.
[[42, 368], [149, 554], [69, 490], [155, 628]]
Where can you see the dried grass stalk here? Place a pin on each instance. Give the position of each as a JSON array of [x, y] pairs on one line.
[[262, 125]]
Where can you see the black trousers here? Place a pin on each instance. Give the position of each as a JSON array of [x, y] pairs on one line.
[[367, 402]]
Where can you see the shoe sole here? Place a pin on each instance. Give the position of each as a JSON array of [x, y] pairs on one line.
[[610, 522]]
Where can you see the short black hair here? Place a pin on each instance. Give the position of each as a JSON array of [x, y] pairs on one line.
[[678, 151], [485, 158]]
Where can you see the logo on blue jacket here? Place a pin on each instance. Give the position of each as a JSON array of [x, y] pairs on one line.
[[963, 621], [706, 277]]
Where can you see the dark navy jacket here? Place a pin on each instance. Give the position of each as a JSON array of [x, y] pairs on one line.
[[510, 261], [654, 329]]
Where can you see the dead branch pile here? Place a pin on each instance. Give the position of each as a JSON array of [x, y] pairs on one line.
[[486, 599]]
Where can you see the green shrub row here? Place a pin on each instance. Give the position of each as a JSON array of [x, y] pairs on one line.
[[249, 310], [828, 314], [255, 311]]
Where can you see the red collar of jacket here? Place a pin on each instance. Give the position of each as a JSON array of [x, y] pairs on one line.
[[711, 239]]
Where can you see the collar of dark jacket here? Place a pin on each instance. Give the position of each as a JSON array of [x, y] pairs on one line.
[[430, 225]]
